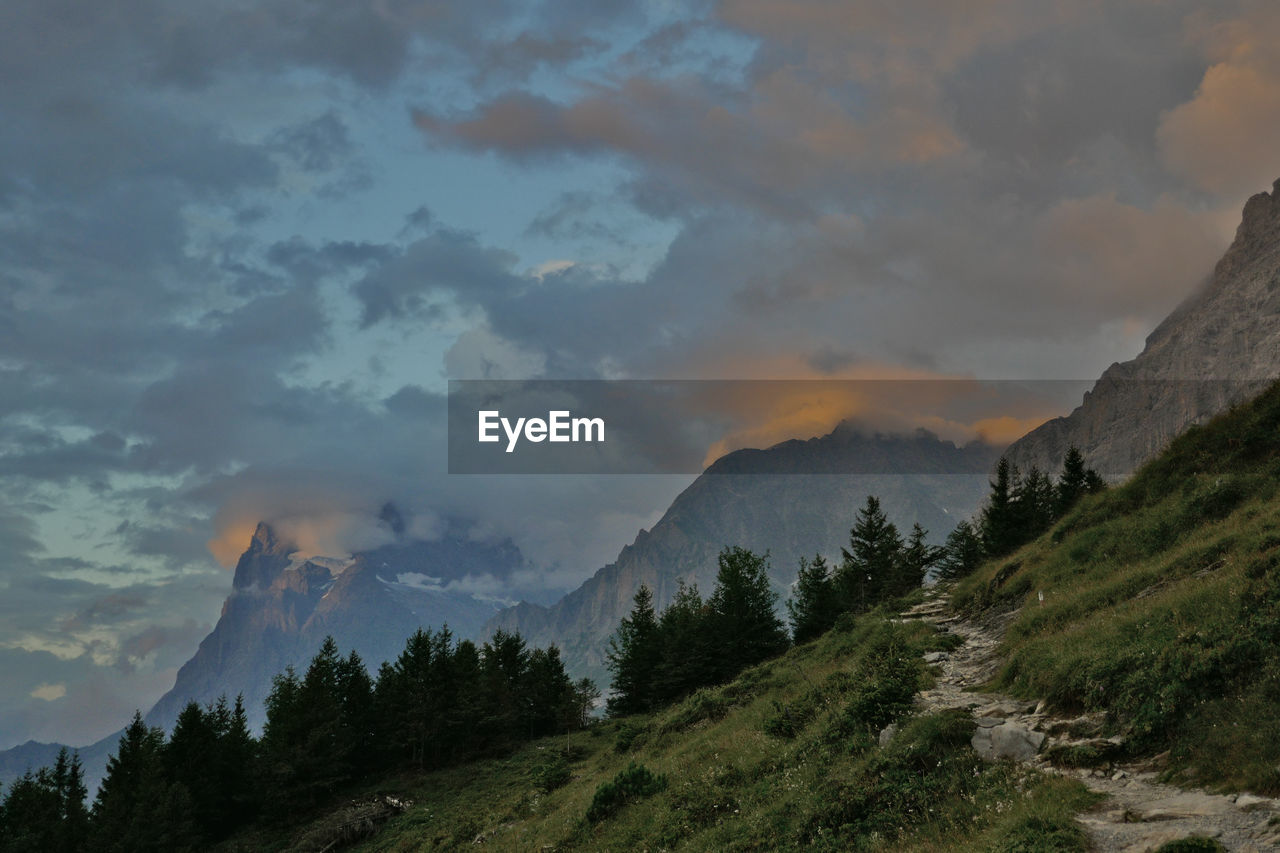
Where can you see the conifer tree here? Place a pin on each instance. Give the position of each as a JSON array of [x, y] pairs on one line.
[[998, 525], [138, 810], [815, 605], [1072, 482], [1035, 506], [73, 830], [685, 659], [633, 655], [962, 554], [871, 561], [918, 556], [742, 623]]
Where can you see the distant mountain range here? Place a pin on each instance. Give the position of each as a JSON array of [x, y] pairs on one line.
[[1221, 346]]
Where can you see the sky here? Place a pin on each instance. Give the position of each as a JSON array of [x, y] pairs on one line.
[[244, 246]]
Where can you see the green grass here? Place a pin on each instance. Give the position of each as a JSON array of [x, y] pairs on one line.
[[710, 773], [1162, 605]]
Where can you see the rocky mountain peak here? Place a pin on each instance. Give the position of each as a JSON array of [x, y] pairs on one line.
[[1219, 347], [263, 561]]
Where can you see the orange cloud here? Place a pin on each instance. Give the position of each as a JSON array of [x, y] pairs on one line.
[[1226, 138]]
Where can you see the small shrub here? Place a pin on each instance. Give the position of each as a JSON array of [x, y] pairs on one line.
[[634, 782], [551, 774], [1093, 754], [705, 704], [1037, 833], [629, 735]]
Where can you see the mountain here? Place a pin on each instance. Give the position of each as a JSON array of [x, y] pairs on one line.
[[283, 605], [1220, 347], [1087, 693], [780, 500]]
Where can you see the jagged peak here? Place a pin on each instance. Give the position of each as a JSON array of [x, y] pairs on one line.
[[266, 556]]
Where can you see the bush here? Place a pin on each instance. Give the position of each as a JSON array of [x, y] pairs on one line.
[[551, 774], [634, 782], [628, 736], [705, 704]]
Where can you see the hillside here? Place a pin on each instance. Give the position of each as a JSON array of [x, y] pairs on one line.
[[784, 757], [1162, 605], [776, 500], [1152, 660], [1221, 346]]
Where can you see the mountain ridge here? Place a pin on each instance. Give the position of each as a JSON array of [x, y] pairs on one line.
[[1219, 347]]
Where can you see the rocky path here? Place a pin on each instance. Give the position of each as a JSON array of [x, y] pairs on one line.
[[1139, 813]]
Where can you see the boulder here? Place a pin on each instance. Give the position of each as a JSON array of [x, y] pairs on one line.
[[1007, 740]]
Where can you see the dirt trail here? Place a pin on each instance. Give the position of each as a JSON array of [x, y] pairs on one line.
[[1139, 813]]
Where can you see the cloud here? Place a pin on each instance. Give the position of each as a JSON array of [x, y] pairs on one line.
[[49, 692], [1224, 139]]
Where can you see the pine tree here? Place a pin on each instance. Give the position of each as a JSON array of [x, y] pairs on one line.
[[1072, 484], [29, 814], [190, 759], [686, 660], [138, 809], [503, 661], [73, 832], [356, 716], [548, 701], [962, 554], [918, 557], [235, 769], [871, 561], [585, 696], [998, 525], [744, 628], [633, 655], [815, 606], [1035, 503]]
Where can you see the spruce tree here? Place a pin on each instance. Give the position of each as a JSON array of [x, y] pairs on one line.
[[191, 759], [998, 526], [918, 556], [686, 660], [815, 605], [633, 655], [744, 628], [1072, 482], [871, 561], [138, 809], [962, 554], [1035, 503]]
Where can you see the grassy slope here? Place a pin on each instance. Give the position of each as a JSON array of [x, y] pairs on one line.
[[1162, 607], [732, 786], [1162, 604]]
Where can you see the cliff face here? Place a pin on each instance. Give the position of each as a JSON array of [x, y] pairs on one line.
[[1220, 347], [281, 608], [748, 499]]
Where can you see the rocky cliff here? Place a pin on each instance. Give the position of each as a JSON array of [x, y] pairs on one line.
[[1220, 347]]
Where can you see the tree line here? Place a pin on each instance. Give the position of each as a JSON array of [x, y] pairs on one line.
[[439, 703], [656, 659]]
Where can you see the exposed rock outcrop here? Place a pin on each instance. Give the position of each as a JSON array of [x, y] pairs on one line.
[[1221, 346]]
